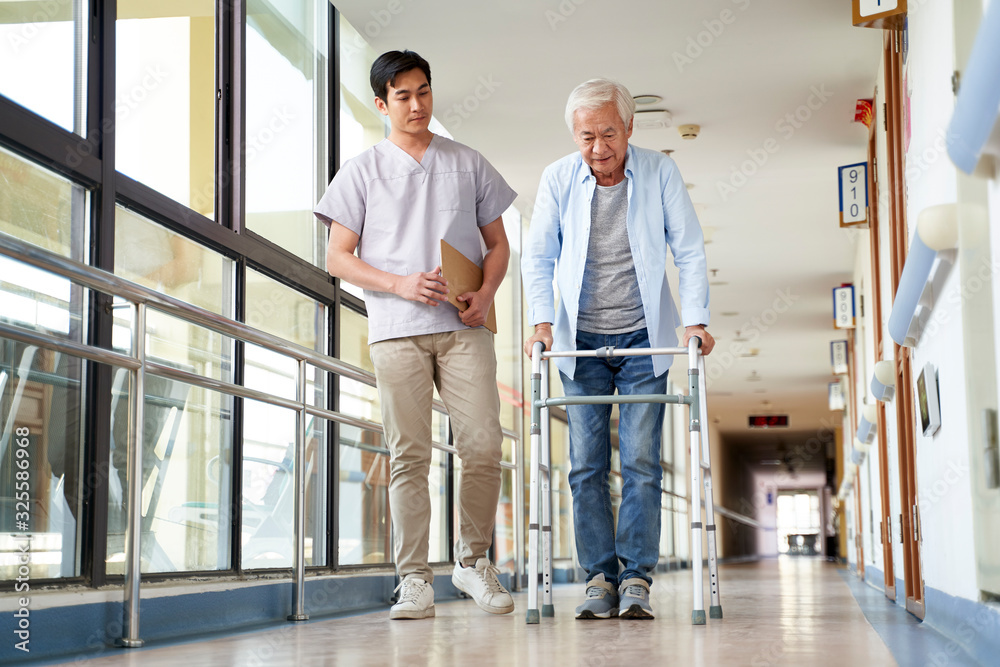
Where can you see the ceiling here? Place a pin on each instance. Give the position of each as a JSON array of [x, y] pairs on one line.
[[502, 72]]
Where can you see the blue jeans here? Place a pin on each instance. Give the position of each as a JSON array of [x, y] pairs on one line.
[[637, 542]]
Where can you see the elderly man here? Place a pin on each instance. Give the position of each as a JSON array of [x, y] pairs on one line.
[[392, 205], [601, 226]]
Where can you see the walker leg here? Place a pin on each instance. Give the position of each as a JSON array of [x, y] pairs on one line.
[[532, 616], [546, 497], [715, 610], [694, 409]]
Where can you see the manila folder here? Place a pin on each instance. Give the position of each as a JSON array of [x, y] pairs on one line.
[[463, 276]]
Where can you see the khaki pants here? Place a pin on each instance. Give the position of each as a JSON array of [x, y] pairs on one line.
[[462, 365]]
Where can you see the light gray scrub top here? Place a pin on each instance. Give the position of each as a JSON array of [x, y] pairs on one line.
[[402, 209]]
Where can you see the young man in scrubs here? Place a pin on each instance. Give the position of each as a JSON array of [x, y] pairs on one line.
[[393, 204]]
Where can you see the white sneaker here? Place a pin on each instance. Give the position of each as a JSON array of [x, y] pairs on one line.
[[416, 600], [481, 584]]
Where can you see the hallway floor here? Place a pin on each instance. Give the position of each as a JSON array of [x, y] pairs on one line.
[[787, 611]]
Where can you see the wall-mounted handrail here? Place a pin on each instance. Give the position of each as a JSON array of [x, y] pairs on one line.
[[974, 127], [932, 252], [138, 365]]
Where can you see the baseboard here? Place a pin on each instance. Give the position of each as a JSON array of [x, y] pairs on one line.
[[82, 631], [973, 626]]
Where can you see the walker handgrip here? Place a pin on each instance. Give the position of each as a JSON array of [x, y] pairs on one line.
[[536, 351]]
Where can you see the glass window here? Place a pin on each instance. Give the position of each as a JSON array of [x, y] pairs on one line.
[[165, 100], [439, 550], [562, 497], [186, 476], [670, 413], [41, 399], [364, 535], [284, 312], [798, 521], [356, 398], [160, 259], [42, 208], [268, 536], [361, 124], [503, 541], [667, 514], [43, 46], [508, 341], [286, 164], [187, 431], [40, 459], [270, 432]]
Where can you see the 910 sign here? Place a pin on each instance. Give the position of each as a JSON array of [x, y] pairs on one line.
[[768, 421]]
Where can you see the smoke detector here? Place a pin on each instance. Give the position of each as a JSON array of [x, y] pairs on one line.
[[689, 131], [652, 119]]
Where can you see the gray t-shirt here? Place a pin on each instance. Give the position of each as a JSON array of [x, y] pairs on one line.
[[402, 209], [609, 298]]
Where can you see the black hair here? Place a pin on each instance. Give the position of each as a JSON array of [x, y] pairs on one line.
[[391, 64]]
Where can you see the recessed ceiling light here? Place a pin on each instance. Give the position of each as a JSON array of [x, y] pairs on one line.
[[718, 282], [729, 313], [647, 99]]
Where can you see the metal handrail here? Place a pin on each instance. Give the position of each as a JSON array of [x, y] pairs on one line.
[[729, 514], [143, 298], [109, 283]]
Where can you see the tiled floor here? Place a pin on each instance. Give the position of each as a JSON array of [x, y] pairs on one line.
[[792, 611]]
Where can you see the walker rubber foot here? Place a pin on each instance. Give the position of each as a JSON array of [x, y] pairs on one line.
[[715, 611], [532, 618], [698, 617], [548, 610]]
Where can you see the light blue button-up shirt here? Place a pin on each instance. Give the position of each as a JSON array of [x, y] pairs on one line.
[[660, 214]]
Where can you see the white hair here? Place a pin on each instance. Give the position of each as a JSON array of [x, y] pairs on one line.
[[596, 93]]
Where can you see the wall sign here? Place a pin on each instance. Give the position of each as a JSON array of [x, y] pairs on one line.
[[838, 356], [843, 307], [835, 395], [882, 14], [853, 187]]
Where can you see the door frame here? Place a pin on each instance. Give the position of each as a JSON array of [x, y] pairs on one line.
[[885, 522], [899, 245]]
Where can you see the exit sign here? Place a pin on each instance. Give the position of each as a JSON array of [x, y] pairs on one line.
[[768, 421]]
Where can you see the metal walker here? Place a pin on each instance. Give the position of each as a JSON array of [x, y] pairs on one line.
[[540, 462]]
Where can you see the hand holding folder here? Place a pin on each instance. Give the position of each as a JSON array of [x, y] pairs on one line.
[[463, 276]]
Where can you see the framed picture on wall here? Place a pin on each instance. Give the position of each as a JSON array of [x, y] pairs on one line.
[[927, 399]]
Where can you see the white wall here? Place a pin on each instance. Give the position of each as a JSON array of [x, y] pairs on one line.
[[942, 460]]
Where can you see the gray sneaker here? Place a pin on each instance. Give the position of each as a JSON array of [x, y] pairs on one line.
[[602, 599], [634, 595]]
